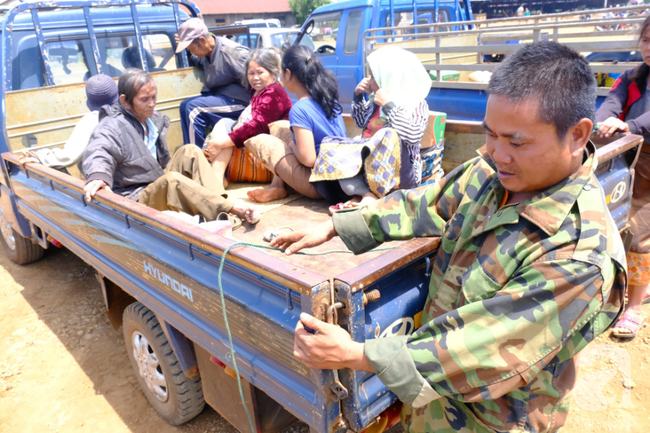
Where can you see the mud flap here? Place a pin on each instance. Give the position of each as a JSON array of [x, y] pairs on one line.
[[222, 393]]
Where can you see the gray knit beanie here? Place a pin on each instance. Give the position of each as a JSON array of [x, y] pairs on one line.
[[100, 90]]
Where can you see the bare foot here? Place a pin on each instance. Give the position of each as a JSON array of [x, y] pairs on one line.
[[358, 201], [265, 195], [246, 211], [353, 202], [367, 199]]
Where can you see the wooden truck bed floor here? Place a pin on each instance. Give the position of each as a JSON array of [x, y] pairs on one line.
[[300, 214]]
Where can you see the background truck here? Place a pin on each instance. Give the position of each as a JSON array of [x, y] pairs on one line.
[[191, 314], [452, 45]]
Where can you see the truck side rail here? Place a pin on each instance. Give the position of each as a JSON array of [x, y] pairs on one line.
[[464, 51], [299, 280]]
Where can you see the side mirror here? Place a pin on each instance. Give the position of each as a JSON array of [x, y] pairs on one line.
[[309, 27]]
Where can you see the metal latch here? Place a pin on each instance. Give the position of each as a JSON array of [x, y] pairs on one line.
[[340, 392], [337, 387]]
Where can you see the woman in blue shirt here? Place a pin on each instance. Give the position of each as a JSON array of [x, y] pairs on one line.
[[316, 115]]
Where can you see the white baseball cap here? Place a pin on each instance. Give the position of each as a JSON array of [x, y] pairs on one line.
[[190, 30]]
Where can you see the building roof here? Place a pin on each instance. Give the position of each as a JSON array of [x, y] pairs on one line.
[[211, 7]]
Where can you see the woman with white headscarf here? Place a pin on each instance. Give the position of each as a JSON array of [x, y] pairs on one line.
[[393, 120]]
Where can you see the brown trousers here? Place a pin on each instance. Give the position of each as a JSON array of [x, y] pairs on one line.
[[189, 185], [278, 157]]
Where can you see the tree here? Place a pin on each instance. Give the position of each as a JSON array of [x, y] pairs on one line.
[[302, 8]]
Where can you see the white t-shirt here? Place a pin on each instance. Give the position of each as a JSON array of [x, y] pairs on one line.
[[73, 150]]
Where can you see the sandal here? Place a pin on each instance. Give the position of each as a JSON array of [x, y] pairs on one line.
[[234, 219], [629, 322], [337, 206], [347, 205]]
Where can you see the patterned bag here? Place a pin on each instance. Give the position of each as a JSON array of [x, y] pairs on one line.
[[244, 167]]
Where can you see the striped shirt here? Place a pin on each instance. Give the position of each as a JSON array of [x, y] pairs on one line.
[[409, 124]]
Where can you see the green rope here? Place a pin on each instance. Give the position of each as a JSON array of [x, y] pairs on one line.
[[223, 304]]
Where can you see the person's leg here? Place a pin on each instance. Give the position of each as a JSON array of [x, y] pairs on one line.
[[278, 157], [357, 188], [275, 191], [189, 162], [185, 118], [220, 164], [176, 192], [221, 161], [638, 259], [206, 111], [354, 185]]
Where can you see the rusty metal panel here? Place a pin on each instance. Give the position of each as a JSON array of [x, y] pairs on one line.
[[59, 108], [462, 140]]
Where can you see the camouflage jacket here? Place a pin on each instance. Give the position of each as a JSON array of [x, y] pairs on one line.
[[516, 292]]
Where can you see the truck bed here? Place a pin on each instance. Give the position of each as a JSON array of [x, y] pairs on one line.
[[299, 214]]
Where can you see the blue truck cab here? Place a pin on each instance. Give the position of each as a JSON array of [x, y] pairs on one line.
[[67, 42], [338, 30]]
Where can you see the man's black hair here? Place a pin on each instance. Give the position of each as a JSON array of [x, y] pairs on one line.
[[557, 76]]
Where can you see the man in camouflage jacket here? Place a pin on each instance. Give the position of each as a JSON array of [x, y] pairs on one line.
[[530, 267]]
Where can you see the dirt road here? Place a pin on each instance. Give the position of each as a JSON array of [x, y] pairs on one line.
[[63, 368]]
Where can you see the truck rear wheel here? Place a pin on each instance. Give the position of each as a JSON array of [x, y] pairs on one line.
[[20, 250], [176, 397]]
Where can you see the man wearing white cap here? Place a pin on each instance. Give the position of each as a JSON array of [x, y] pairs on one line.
[[223, 94]]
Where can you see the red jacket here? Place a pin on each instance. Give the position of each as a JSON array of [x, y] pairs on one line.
[[623, 94], [272, 104]]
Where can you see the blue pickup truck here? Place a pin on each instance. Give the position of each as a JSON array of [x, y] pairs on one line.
[[190, 312], [337, 30], [444, 32]]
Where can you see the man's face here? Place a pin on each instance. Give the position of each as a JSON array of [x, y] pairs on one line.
[[199, 47], [144, 102], [527, 153]]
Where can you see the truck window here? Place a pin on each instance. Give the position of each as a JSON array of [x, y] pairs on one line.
[[352, 33], [243, 40], [425, 16], [278, 39], [67, 62], [69, 59], [160, 47], [326, 28]]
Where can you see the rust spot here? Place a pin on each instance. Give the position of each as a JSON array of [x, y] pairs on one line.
[[377, 332]]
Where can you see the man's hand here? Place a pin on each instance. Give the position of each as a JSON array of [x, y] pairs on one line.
[[176, 38], [92, 187], [330, 348], [612, 125], [306, 238], [27, 158]]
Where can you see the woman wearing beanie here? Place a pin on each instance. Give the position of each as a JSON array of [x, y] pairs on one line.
[[100, 90]]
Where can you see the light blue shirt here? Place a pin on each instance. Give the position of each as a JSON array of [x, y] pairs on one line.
[[151, 138]]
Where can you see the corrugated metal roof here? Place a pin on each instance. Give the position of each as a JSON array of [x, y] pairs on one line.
[[213, 7]]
